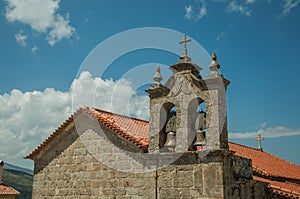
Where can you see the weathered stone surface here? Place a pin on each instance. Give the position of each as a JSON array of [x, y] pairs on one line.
[[242, 167], [187, 91]]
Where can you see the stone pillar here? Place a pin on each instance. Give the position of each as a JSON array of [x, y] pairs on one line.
[[154, 126], [217, 135]]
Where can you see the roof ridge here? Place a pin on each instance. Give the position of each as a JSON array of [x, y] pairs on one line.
[[129, 117], [245, 146]]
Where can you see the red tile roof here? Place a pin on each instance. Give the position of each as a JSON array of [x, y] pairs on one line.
[[278, 172], [266, 164], [287, 189], [270, 168], [6, 190], [134, 130]]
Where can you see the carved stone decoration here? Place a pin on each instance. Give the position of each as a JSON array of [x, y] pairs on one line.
[[176, 89], [186, 87], [181, 85]]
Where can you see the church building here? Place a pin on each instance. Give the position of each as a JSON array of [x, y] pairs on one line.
[[182, 152]]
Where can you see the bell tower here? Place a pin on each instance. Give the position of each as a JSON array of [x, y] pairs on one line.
[[176, 123]]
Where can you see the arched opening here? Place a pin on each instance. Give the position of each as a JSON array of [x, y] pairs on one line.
[[200, 138], [198, 124], [169, 122]]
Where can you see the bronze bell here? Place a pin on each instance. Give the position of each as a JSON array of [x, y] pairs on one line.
[[171, 139], [200, 138]]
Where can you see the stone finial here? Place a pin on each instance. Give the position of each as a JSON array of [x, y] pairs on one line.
[[214, 56], [214, 63], [157, 77], [214, 66]]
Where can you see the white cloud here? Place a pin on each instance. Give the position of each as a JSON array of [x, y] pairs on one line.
[[243, 7], [202, 10], [239, 8], [41, 16], [199, 9], [116, 96], [61, 29], [250, 1], [34, 49], [188, 11], [288, 6], [38, 14], [200, 6], [221, 35], [270, 132], [263, 125], [86, 20], [27, 118], [21, 38]]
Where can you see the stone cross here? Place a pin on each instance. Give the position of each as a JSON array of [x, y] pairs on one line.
[[184, 41], [259, 139]]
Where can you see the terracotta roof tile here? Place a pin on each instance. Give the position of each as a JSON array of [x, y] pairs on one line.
[[288, 189], [6, 190], [266, 164], [133, 129]]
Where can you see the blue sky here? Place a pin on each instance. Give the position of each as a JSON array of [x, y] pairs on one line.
[[44, 43]]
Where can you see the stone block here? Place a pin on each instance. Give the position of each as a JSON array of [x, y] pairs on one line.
[[80, 151], [165, 193], [215, 191], [165, 180], [198, 177], [212, 173], [196, 193], [183, 179]]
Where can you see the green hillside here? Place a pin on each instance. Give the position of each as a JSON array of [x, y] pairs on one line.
[[20, 181]]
